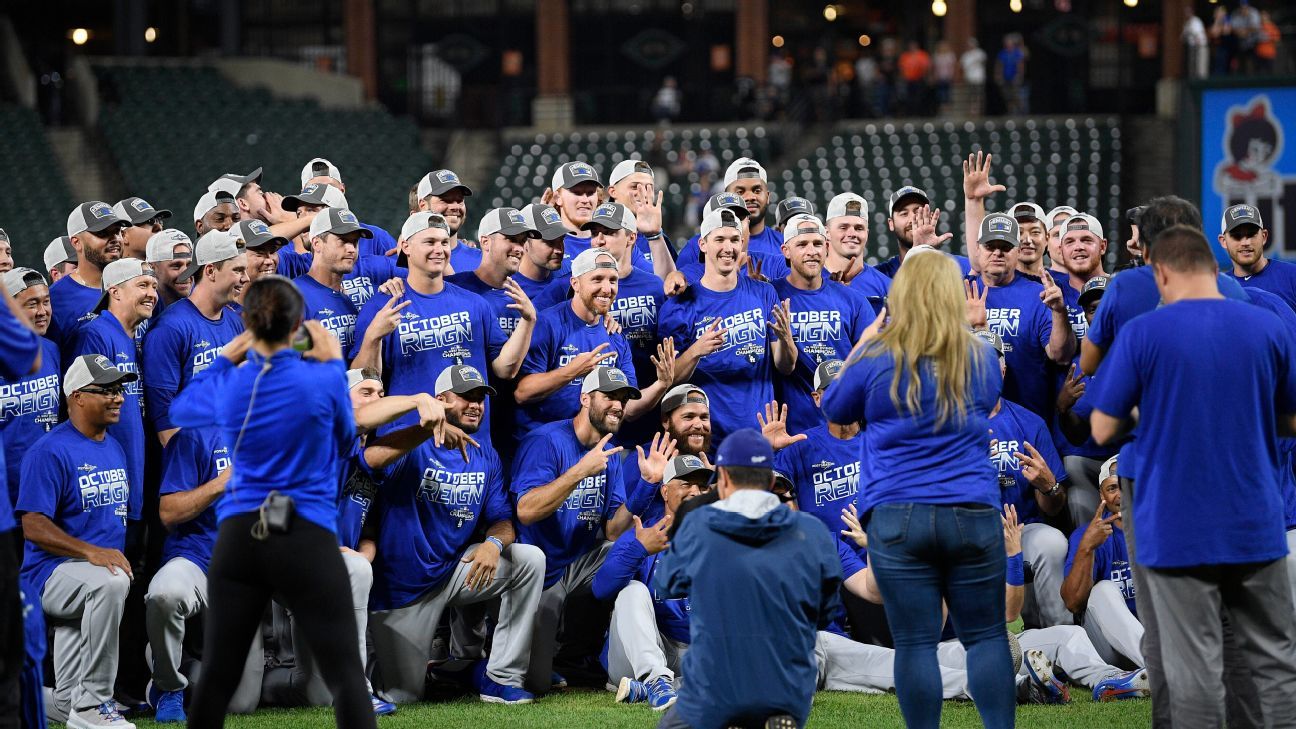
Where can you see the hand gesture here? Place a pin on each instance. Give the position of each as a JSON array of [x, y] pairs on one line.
[[274, 209], [652, 465], [754, 268], [976, 177], [1035, 469], [520, 301], [394, 286], [324, 346], [596, 460], [431, 414], [853, 530], [1052, 294], [1071, 391], [924, 230], [237, 349], [675, 284], [611, 324], [854, 267], [112, 559], [774, 426], [548, 196], [1099, 528], [388, 317], [664, 361], [976, 294], [1012, 531], [452, 436], [712, 340], [585, 362], [485, 559], [653, 538], [782, 322], [648, 214]]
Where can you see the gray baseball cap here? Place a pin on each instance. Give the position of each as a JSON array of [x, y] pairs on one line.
[[685, 466], [904, 193], [240, 180], [93, 369], [826, 372], [421, 221], [727, 201], [571, 174], [338, 221], [58, 252], [545, 220], [1239, 215], [93, 216], [137, 210], [1094, 288], [461, 380], [609, 380], [992, 338], [18, 280], [439, 182], [998, 227], [505, 221], [316, 194], [790, 206], [681, 394], [256, 235], [613, 215], [213, 247], [119, 272]]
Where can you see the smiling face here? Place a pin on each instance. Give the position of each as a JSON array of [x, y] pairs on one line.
[[636, 188], [449, 205], [596, 290], [227, 278], [546, 255], [755, 195], [465, 411], [847, 236], [1082, 252], [504, 252], [902, 221], [1031, 241], [35, 305], [1245, 244], [805, 254], [576, 205], [606, 410], [101, 407], [261, 262], [428, 251], [365, 392], [100, 249], [222, 217], [136, 298], [168, 271], [690, 426], [722, 249]]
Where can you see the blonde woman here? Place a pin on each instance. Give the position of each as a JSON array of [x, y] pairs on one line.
[[923, 387]]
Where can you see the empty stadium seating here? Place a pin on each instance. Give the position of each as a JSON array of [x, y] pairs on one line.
[[34, 208], [169, 152]]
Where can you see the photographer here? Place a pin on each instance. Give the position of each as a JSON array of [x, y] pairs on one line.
[[279, 513]]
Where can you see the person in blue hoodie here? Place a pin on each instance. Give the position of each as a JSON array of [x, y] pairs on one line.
[[720, 560]]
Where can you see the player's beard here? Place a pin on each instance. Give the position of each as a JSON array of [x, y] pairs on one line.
[[599, 419]]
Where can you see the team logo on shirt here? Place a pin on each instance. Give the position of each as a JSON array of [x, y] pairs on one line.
[[102, 488], [461, 490], [85, 468], [745, 332], [833, 482], [1121, 577], [1003, 457], [637, 316], [1004, 322], [204, 344], [588, 498], [31, 397], [435, 332], [360, 489]]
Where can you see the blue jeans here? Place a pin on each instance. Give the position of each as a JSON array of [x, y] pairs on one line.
[[921, 554]]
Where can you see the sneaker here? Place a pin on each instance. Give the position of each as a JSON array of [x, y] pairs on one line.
[[661, 694], [1131, 685], [497, 693], [631, 691], [1044, 687], [440, 651], [103, 715], [169, 707], [380, 707]]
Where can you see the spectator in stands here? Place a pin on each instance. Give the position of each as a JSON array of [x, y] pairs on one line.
[[915, 67], [96, 233], [944, 70], [542, 255], [441, 192], [1266, 50], [216, 210], [74, 557], [1246, 24], [190, 335], [1245, 239], [169, 253], [144, 221], [1010, 74], [60, 258], [1197, 45], [666, 102], [973, 63], [1224, 41]]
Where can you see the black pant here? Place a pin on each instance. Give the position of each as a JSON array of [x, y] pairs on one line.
[[304, 571], [11, 627]]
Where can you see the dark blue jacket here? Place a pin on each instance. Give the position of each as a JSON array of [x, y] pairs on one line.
[[759, 589]]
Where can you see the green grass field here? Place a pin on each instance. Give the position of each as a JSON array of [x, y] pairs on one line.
[[590, 709]]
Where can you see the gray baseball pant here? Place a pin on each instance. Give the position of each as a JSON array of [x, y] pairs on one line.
[[1082, 487], [576, 580], [848, 665], [1291, 560], [1069, 648], [84, 604], [636, 649], [1112, 628], [403, 637], [1044, 549]]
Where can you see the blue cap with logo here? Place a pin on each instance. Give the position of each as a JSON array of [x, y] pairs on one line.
[[745, 448]]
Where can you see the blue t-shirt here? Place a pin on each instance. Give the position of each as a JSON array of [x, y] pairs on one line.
[[1133, 292], [105, 335], [332, 309], [573, 246], [29, 408], [369, 273], [180, 345], [293, 264], [576, 528], [19, 347], [767, 243], [627, 561], [1010, 60], [534, 289], [1016, 313], [497, 298], [306, 398], [1277, 277], [379, 244], [1110, 561], [1206, 495], [355, 497], [906, 458], [889, 267], [73, 304], [825, 471], [739, 377], [826, 323], [465, 258], [772, 267], [431, 502], [872, 283], [452, 327], [1013, 427], [82, 486], [560, 336], [193, 457]]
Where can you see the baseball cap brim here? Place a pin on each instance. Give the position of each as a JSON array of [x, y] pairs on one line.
[[554, 232], [190, 271], [143, 217], [907, 196], [634, 391], [474, 388], [442, 188], [1241, 222], [292, 202], [274, 242], [518, 229], [112, 377], [1087, 296], [99, 225]]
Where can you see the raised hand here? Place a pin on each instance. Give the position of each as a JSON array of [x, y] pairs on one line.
[[596, 460], [782, 322], [585, 362], [1035, 469], [648, 214], [924, 230], [520, 301], [652, 464], [774, 426], [548, 196], [675, 284], [712, 340], [1099, 528], [664, 362], [1071, 391], [274, 208], [976, 177], [1012, 531], [754, 268], [1052, 295], [853, 530], [977, 316], [653, 538], [388, 317]]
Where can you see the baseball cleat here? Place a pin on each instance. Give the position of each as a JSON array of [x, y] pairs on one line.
[[1044, 687], [381, 707], [1130, 685], [103, 715]]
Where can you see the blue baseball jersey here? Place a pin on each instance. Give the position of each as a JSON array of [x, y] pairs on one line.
[[825, 471], [739, 377], [498, 299], [889, 267], [826, 323], [29, 408], [1277, 277], [181, 344], [576, 528], [81, 484], [355, 497], [464, 257], [560, 336], [193, 457], [332, 309], [73, 304], [454, 326], [1017, 314], [1013, 427], [1206, 495], [627, 561], [105, 335], [431, 503], [905, 457], [1110, 561]]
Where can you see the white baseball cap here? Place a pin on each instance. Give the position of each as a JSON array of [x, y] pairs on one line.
[[356, 376], [213, 247], [421, 221], [119, 272], [1082, 221], [319, 167], [722, 218], [1051, 219], [592, 259], [209, 200], [18, 280], [161, 245], [847, 204], [58, 252], [744, 167], [627, 167], [1027, 210], [1107, 470], [801, 225]]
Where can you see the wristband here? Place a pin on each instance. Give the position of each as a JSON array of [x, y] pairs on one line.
[[497, 543], [1017, 570], [654, 236]]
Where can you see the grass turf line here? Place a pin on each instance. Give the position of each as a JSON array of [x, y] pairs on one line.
[[597, 709]]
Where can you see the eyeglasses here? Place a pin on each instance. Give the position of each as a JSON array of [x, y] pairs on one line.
[[155, 223], [111, 391]]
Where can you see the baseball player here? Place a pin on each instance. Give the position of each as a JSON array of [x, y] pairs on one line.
[[32, 396], [335, 236], [1245, 238], [910, 212], [633, 184], [320, 171], [96, 234], [686, 423], [503, 235], [757, 264], [847, 224], [215, 210], [542, 255], [442, 192], [169, 253], [145, 222], [747, 179], [60, 258]]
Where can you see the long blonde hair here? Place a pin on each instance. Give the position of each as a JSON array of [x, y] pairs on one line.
[[928, 327]]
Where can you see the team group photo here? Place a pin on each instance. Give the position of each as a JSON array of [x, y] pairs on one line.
[[754, 364]]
